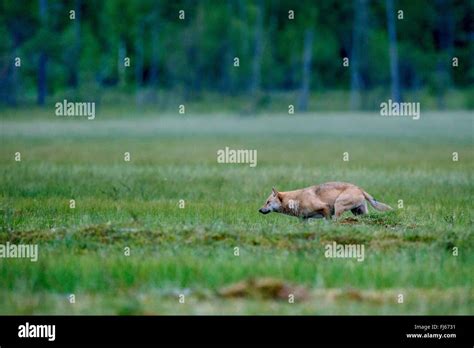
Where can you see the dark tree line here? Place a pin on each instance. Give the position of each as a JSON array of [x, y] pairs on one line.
[[191, 47]]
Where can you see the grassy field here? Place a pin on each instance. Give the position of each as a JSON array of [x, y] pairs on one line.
[[191, 250]]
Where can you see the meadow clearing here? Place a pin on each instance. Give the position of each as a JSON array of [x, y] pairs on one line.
[[190, 250]]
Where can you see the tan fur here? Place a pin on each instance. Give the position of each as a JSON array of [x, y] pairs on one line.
[[325, 200]]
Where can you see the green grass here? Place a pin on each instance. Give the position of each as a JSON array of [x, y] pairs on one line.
[[136, 204]]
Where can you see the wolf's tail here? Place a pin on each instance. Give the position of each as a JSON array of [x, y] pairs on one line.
[[377, 205]]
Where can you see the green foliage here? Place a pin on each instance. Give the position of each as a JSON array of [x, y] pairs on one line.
[[195, 55]]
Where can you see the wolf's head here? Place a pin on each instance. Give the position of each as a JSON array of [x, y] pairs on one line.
[[273, 203]]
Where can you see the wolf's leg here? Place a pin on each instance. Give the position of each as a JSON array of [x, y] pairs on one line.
[[321, 208], [357, 211], [346, 201], [326, 212], [340, 206], [360, 210], [339, 209]]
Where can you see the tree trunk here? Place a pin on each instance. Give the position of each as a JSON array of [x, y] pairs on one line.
[[358, 38], [43, 58], [257, 53], [74, 65], [306, 78], [195, 54], [139, 56], [445, 28], [154, 47], [228, 63], [13, 93], [120, 63], [393, 53], [9, 79]]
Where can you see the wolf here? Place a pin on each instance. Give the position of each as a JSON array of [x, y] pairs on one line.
[[328, 200]]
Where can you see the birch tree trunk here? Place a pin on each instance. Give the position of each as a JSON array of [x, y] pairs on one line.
[[257, 53], [359, 29], [306, 78], [43, 58], [74, 65], [139, 55], [155, 28], [393, 52]]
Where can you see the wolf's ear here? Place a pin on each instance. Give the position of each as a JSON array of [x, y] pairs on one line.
[[275, 192]]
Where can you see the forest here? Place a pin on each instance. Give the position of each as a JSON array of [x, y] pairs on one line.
[[153, 52]]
